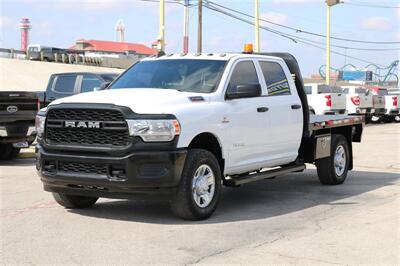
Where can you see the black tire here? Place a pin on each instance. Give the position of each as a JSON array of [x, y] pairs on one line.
[[74, 202], [8, 152], [388, 118], [376, 119], [326, 167], [183, 204], [15, 153]]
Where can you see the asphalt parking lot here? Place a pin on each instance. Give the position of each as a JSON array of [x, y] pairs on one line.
[[290, 219]]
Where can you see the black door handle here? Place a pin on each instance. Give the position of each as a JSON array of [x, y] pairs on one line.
[[262, 109], [296, 106]]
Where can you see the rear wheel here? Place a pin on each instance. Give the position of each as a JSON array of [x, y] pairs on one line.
[[389, 118], [376, 119], [200, 186], [74, 202], [333, 170]]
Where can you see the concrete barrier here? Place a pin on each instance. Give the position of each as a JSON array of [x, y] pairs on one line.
[[25, 75]]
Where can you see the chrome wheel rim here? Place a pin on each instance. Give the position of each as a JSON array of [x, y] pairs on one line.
[[374, 118], [203, 187], [340, 160]]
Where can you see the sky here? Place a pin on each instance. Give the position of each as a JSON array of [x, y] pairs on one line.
[[60, 23]]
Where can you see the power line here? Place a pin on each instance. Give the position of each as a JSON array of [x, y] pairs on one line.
[[168, 2], [295, 38], [297, 30], [285, 35], [363, 4]]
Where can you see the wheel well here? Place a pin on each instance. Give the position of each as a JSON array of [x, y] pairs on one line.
[[209, 142]]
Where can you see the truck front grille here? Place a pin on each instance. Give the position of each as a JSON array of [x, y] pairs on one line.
[[111, 129], [86, 168]]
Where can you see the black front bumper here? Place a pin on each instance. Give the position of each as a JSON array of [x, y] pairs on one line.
[[137, 173]]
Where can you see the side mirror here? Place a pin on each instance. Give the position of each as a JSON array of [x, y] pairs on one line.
[[104, 85], [243, 91]]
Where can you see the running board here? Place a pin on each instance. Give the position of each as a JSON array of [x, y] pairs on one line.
[[240, 180]]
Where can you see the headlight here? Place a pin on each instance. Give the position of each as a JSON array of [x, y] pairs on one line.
[[154, 130], [39, 124]]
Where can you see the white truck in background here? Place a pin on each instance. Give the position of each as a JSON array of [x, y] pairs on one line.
[[390, 110], [396, 92], [325, 100], [358, 101]]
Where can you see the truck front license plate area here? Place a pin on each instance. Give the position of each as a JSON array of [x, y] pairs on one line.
[[22, 144]]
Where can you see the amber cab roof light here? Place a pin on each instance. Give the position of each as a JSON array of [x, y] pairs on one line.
[[248, 48]]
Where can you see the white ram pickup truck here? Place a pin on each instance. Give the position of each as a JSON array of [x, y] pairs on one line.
[[396, 92], [325, 100], [181, 126], [390, 110], [359, 101]]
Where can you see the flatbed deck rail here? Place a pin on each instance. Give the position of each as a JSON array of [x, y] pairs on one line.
[[332, 121]]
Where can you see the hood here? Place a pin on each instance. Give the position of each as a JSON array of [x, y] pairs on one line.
[[141, 101]]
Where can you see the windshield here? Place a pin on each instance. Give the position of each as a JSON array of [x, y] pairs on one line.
[[179, 74], [382, 92], [33, 49], [109, 78]]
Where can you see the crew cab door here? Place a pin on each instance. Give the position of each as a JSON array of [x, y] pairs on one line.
[[285, 115], [246, 121]]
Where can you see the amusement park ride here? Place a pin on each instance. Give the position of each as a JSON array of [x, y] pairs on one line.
[[373, 72]]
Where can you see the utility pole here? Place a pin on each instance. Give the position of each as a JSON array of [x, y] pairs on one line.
[[328, 46], [199, 27], [186, 27], [329, 3], [161, 37], [256, 27]]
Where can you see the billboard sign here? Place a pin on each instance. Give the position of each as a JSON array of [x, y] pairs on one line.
[[355, 75]]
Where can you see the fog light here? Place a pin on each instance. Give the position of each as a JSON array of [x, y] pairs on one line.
[[117, 175], [49, 166]]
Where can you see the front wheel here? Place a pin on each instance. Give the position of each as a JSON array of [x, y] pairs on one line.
[[333, 170], [200, 186], [74, 202], [8, 152]]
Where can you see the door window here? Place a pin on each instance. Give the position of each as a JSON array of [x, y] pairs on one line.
[[65, 84], [275, 78], [244, 73], [90, 83]]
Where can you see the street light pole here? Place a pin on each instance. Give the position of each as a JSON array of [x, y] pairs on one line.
[[329, 3], [200, 27], [186, 27], [256, 27], [162, 27], [328, 46]]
